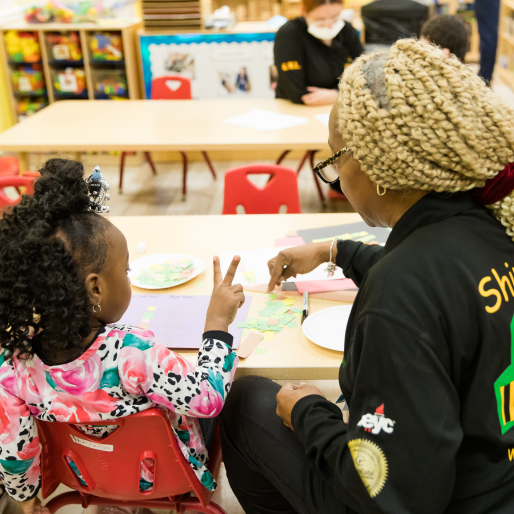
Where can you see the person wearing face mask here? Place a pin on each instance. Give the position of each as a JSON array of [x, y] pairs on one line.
[[312, 51]]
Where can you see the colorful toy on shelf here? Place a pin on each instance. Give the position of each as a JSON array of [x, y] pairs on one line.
[[112, 87], [65, 46], [106, 46], [29, 80], [56, 11], [23, 46], [70, 81], [27, 106]]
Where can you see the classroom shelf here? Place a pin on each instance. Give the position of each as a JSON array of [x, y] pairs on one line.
[[86, 32], [505, 54]]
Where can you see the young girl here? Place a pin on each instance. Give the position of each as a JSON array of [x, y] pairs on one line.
[[63, 287]]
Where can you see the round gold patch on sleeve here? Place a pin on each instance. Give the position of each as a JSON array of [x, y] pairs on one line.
[[371, 464]]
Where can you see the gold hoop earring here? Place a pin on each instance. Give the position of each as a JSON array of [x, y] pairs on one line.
[[378, 190]]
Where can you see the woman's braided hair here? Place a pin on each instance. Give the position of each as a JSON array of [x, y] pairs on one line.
[[417, 119], [46, 242]]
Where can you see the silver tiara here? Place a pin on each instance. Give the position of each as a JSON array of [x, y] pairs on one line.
[[97, 189]]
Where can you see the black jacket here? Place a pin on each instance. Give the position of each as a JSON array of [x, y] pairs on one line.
[[428, 370], [303, 60]]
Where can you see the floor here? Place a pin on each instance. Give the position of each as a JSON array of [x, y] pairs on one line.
[[147, 195]]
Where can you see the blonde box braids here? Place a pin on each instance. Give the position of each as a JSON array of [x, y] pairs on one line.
[[425, 121]]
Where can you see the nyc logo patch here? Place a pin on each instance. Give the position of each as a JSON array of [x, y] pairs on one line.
[[375, 423]]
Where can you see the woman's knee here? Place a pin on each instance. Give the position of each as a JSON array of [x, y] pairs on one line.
[[249, 397]]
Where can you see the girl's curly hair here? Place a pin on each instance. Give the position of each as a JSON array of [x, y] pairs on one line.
[[46, 243]]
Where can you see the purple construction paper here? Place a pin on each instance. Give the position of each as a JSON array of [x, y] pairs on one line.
[[178, 321]]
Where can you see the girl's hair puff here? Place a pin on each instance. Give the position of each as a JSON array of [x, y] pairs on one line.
[[47, 243]]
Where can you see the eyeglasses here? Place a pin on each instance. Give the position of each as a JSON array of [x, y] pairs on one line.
[[329, 174]]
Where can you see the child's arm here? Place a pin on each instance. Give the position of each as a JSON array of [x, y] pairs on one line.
[[19, 442], [147, 367]]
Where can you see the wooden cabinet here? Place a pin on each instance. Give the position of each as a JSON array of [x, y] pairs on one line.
[[51, 62], [505, 53]]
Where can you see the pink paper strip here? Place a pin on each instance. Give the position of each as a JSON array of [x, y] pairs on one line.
[[290, 241], [323, 286]]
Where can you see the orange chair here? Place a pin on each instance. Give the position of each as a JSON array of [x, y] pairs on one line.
[[9, 166], [110, 467], [15, 182], [171, 88], [281, 189], [309, 154], [162, 90]]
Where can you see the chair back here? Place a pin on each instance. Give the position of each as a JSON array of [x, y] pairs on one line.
[[281, 189], [9, 166], [8, 181], [111, 467], [171, 88]]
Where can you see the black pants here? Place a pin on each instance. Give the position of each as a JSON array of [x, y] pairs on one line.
[[487, 14], [208, 427], [266, 465]]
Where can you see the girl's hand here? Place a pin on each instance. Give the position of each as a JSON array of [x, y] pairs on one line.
[[33, 507], [299, 259], [226, 298]]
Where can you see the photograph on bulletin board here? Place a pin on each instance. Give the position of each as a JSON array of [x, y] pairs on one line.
[[208, 66]]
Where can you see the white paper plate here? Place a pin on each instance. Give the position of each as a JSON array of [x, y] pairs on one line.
[[327, 327], [161, 258]]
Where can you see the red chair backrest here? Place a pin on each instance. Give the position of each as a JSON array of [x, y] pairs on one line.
[[111, 466], [9, 166], [27, 182], [281, 189], [171, 88]]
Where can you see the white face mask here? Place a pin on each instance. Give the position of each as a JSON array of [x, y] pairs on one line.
[[326, 33]]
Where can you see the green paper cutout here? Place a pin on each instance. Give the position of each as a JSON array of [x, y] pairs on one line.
[[261, 350], [506, 380], [148, 315], [293, 324]]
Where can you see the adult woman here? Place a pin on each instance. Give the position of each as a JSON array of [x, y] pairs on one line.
[[421, 146], [312, 51]]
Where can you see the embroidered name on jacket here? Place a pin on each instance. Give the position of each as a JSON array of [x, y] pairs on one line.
[[375, 423]]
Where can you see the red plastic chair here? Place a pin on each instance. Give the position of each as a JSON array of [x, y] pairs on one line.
[[163, 88], [162, 91], [9, 166], [111, 466], [16, 182], [281, 189]]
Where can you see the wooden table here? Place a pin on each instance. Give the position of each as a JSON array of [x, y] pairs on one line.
[[290, 356], [160, 125]]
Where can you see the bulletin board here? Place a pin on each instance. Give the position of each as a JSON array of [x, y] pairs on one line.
[[208, 66]]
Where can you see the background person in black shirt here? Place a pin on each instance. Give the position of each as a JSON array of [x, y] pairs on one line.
[[311, 53], [422, 146]]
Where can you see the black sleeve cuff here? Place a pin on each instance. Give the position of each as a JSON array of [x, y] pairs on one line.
[[220, 335], [345, 252], [304, 404]]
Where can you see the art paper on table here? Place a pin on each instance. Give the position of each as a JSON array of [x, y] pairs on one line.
[[249, 344], [323, 118], [290, 241], [256, 267], [178, 321], [323, 286], [354, 231], [265, 121]]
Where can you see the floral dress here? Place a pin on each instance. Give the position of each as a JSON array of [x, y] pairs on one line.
[[125, 371]]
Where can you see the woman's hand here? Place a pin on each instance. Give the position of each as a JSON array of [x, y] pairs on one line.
[[287, 398], [33, 507], [226, 298], [319, 96], [298, 260]]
